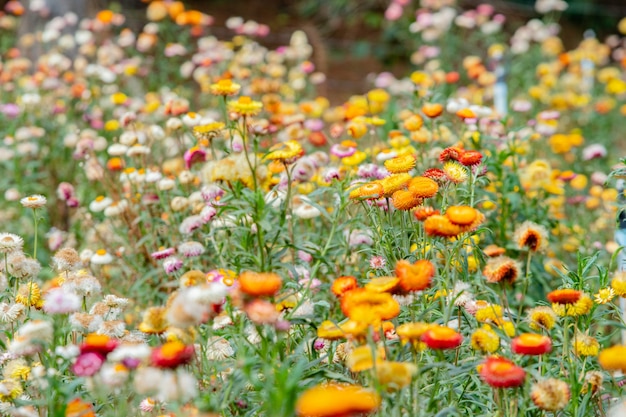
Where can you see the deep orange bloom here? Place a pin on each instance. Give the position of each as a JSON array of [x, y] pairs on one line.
[[336, 400], [564, 296], [423, 187], [405, 200], [531, 344], [438, 225], [414, 277], [79, 408], [343, 284], [115, 164], [171, 355], [259, 284], [451, 153], [501, 373], [98, 343], [462, 215], [613, 358], [383, 284], [466, 114], [441, 337], [368, 306], [469, 158], [432, 110], [421, 213], [436, 174]]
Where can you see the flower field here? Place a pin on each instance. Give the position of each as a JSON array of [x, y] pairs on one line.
[[189, 229]]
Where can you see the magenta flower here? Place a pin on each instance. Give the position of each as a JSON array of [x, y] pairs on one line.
[[87, 364]]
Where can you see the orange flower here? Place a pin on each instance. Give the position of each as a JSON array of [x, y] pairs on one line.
[[501, 269], [451, 153], [412, 333], [532, 236], [531, 344], [421, 213], [79, 408], [405, 200], [441, 337], [370, 191], [331, 331], [466, 114], [259, 284], [469, 158], [414, 277], [564, 296], [423, 187], [432, 110], [395, 375], [462, 215], [413, 123], [335, 400], [393, 183], [105, 16], [342, 285], [501, 373], [493, 251], [438, 225], [368, 306]]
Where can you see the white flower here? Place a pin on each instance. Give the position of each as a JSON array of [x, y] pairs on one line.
[[218, 349], [9, 313], [101, 257], [34, 201], [100, 203], [61, 301], [10, 242]]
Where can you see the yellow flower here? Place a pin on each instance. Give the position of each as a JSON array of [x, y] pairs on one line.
[[395, 375], [245, 106], [579, 308], [225, 88], [393, 183], [286, 152], [618, 283], [455, 172], [12, 389], [355, 159], [613, 358], [154, 321], [604, 295], [585, 345], [364, 357], [208, 131], [485, 340], [488, 312], [29, 294], [400, 164], [541, 318]]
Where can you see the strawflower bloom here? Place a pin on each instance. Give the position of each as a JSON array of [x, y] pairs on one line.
[[10, 242], [531, 344], [171, 355], [613, 358], [423, 187], [400, 164], [542, 318], [412, 333], [342, 285], [245, 106], [364, 357], [501, 373], [259, 284], [395, 375], [618, 282], [225, 87], [441, 337], [34, 201], [585, 345], [579, 308], [416, 276], [550, 394], [334, 399], [485, 340], [531, 236], [368, 306], [501, 269]]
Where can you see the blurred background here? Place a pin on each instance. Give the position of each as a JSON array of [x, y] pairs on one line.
[[351, 38]]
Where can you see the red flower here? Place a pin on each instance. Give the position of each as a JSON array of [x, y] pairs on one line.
[[531, 344], [451, 153], [441, 337], [469, 158], [98, 343], [501, 373], [171, 355], [565, 296]]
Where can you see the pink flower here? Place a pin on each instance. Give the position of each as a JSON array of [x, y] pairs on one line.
[[377, 262], [193, 156], [394, 12], [163, 253], [60, 301], [172, 264], [87, 364]]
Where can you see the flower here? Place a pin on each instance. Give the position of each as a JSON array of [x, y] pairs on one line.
[[585, 345], [368, 306], [564, 296], [550, 394], [88, 363], [342, 285], [488, 312], [171, 355], [395, 375], [531, 344], [441, 337], [580, 307], [364, 357], [485, 340], [541, 318], [393, 183], [34, 201], [531, 236], [10, 242], [462, 215], [604, 295], [412, 333], [405, 200], [101, 257], [98, 343], [154, 321], [382, 284], [259, 284], [29, 294], [286, 152], [225, 87], [334, 399], [261, 312], [423, 187], [65, 259], [79, 408], [416, 276], [400, 164], [501, 373], [613, 358], [432, 110], [455, 172], [60, 301], [501, 269], [618, 282], [470, 158], [245, 106]]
